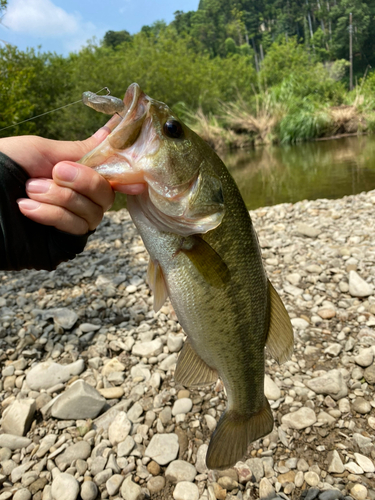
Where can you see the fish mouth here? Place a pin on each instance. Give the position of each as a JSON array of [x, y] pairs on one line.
[[116, 157]]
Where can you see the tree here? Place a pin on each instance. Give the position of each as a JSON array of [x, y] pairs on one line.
[[115, 38]]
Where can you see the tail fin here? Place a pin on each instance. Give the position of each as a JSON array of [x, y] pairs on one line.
[[233, 435]]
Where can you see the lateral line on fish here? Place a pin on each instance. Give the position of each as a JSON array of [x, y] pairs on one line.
[[51, 111]]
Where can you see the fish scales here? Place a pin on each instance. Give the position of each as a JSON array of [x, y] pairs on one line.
[[205, 256]]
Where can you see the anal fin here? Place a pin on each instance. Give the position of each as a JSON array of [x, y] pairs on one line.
[[280, 333], [234, 433], [157, 284], [191, 370]]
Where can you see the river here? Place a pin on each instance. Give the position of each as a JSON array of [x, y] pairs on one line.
[[320, 169]]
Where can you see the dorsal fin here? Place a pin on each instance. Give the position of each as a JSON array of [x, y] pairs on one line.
[[280, 334], [191, 370]]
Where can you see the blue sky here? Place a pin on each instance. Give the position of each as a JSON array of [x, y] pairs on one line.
[[63, 26]]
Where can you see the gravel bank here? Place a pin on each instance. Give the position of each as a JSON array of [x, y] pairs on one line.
[[89, 405]]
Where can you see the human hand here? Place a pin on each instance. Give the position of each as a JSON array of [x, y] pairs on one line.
[[64, 194]]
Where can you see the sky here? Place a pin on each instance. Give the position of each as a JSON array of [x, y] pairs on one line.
[[63, 26]]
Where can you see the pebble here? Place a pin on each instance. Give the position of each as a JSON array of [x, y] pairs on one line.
[[17, 418], [22, 494], [186, 491], [311, 478], [331, 383], [147, 349], [64, 487], [119, 429], [130, 490], [79, 401], [183, 405], [48, 374], [80, 450], [335, 463], [156, 484], [359, 492], [113, 484], [361, 405], [163, 448], [271, 390], [266, 490], [300, 419], [14, 442], [364, 358], [364, 462], [179, 470], [358, 287], [89, 490]]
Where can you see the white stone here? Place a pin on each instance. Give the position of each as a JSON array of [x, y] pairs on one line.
[[169, 362], [359, 492], [183, 405], [125, 447], [331, 383], [179, 470], [22, 494], [353, 468], [299, 323], [14, 442], [64, 487], [266, 489], [186, 491], [364, 462], [335, 464], [130, 490], [119, 429], [113, 484], [113, 365], [79, 401], [135, 412], [175, 342], [311, 478], [147, 349], [365, 357], [300, 419], [271, 390], [358, 287], [211, 422], [200, 463], [17, 418], [64, 317], [89, 490], [47, 374], [163, 448]]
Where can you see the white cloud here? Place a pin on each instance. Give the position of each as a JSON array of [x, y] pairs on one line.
[[43, 19]]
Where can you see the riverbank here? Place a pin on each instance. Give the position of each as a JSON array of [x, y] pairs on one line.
[[240, 127], [107, 353]]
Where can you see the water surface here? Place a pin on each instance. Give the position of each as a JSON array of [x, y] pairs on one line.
[[322, 169]]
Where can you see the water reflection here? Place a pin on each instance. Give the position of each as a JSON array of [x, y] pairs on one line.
[[323, 169]]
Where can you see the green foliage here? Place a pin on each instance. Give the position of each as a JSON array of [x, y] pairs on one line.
[[115, 38]]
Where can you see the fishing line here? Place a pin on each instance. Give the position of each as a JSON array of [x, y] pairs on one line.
[[52, 111]]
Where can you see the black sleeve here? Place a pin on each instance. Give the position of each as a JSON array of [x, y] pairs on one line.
[[25, 244]]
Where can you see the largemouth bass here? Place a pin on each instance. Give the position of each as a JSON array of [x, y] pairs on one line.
[[205, 256]]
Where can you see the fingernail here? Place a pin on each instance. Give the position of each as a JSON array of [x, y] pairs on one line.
[[38, 185], [28, 204], [66, 172]]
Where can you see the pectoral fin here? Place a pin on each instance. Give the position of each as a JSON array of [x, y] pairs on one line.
[[207, 261], [191, 370], [280, 334], [157, 284]]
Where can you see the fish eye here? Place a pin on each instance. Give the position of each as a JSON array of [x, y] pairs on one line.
[[173, 129]]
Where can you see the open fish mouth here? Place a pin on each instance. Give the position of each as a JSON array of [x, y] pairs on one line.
[[118, 154]]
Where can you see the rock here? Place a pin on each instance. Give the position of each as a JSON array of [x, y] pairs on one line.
[[113, 365], [80, 450], [365, 357], [64, 487], [200, 463], [102, 476], [113, 484], [14, 442], [45, 444], [125, 447], [79, 401], [364, 462], [211, 422], [326, 313], [359, 492], [17, 418], [19, 471], [266, 489], [163, 448], [48, 374], [312, 494], [299, 323], [175, 342], [183, 405], [147, 349], [358, 287], [306, 230], [179, 470], [288, 477], [64, 317], [369, 374], [227, 483], [271, 390], [130, 490], [119, 429], [112, 392], [169, 362], [135, 412], [156, 484], [300, 419], [353, 468], [333, 349], [299, 479], [22, 494], [153, 468], [186, 491], [89, 490], [256, 467], [335, 464], [332, 383], [360, 405], [331, 495], [311, 478]]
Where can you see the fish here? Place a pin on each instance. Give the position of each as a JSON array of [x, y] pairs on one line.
[[204, 256]]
